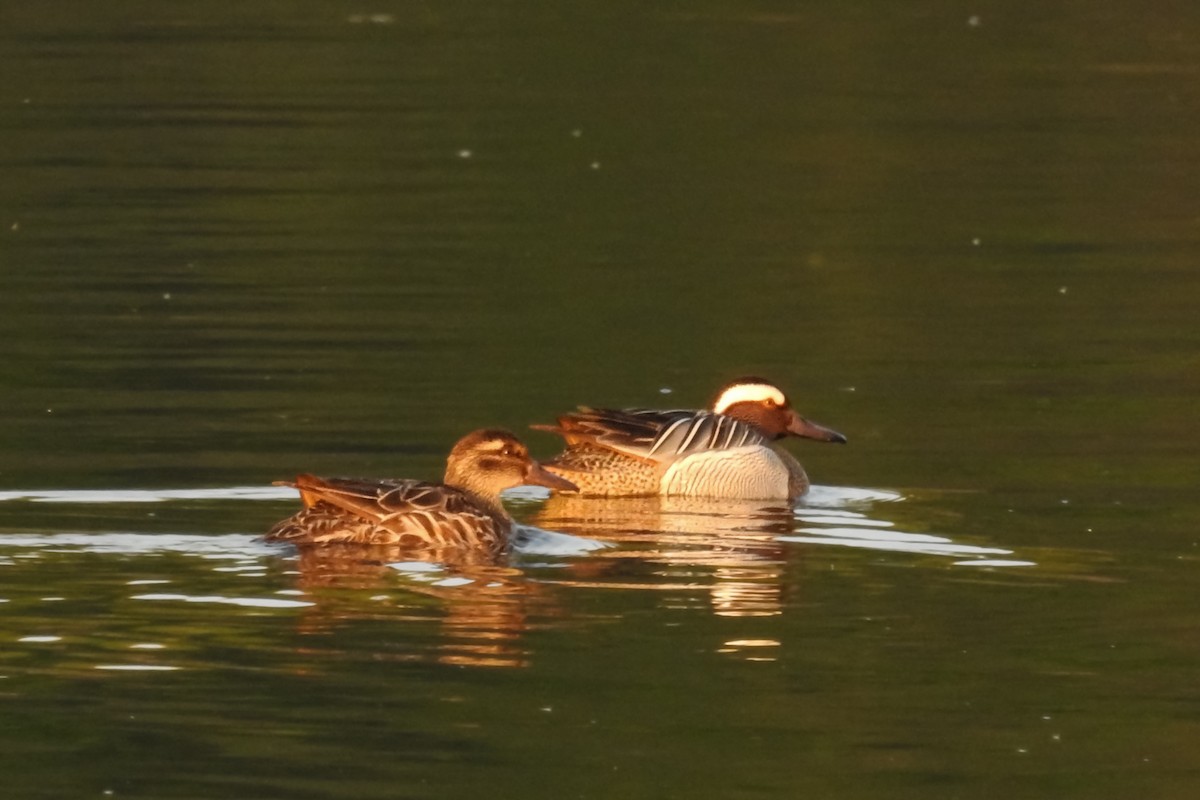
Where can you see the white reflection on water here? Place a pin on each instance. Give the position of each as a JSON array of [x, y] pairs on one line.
[[150, 495], [246, 602], [137, 667], [272, 493], [750, 649], [828, 520], [891, 540], [842, 496], [231, 546], [535, 541]]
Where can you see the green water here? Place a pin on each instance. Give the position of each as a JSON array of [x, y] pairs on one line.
[[244, 240]]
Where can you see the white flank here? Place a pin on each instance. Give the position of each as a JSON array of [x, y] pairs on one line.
[[744, 473]]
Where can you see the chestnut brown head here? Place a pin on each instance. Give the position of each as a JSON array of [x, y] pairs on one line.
[[763, 405]]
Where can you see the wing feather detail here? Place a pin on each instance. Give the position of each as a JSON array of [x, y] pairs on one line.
[[656, 435], [388, 512]]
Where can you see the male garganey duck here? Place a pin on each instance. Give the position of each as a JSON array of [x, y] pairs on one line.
[[464, 511], [727, 452]]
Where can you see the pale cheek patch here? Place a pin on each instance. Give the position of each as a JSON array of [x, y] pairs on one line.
[[748, 393], [497, 446]]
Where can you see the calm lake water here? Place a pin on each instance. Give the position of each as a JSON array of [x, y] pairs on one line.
[[244, 240]]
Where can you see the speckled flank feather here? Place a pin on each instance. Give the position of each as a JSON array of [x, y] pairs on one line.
[[603, 471]]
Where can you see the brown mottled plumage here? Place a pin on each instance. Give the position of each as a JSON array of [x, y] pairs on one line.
[[462, 511], [726, 452]]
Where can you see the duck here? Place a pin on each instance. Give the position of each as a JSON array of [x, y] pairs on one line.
[[463, 511], [726, 452]]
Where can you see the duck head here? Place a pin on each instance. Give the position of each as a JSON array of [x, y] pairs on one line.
[[488, 461], [762, 404]]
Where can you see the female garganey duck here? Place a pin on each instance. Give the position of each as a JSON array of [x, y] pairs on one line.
[[464, 511], [727, 452]]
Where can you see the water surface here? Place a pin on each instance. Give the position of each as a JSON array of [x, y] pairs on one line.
[[241, 241]]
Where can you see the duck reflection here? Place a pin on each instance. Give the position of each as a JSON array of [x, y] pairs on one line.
[[731, 547], [483, 605]]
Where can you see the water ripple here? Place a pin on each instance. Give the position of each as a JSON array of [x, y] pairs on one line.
[[247, 602], [150, 495]]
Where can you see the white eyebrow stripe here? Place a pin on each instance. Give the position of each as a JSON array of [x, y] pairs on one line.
[[748, 393]]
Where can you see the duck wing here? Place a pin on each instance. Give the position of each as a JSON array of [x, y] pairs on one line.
[[654, 435], [387, 512]]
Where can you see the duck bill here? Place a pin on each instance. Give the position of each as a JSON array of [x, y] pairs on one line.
[[538, 475], [806, 429]]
